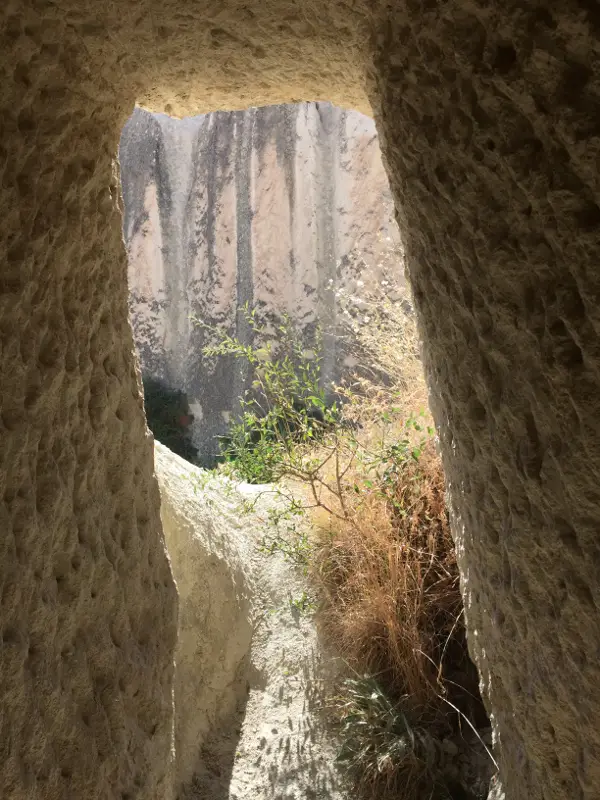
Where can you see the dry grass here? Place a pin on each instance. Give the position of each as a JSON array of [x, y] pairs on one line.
[[389, 582], [390, 606]]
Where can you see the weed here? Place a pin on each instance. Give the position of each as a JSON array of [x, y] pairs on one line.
[[286, 406], [295, 547], [390, 585], [304, 604]]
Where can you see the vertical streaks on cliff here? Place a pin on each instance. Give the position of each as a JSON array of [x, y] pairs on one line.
[[147, 208], [274, 287], [327, 123], [210, 230], [243, 132], [172, 175], [276, 207]]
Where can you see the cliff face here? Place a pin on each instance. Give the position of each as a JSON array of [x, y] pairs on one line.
[[277, 207]]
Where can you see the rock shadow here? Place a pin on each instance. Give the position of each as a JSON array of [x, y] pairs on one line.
[[217, 756]]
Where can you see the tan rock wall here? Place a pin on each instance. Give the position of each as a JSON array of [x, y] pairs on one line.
[[88, 603], [492, 139], [489, 112], [216, 613]]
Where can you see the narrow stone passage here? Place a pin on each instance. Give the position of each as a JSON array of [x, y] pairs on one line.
[[249, 677]]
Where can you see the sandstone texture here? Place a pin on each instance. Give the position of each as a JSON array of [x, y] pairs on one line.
[[495, 164], [488, 116], [250, 671], [278, 208]]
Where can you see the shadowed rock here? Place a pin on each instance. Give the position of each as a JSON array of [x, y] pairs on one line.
[[488, 118]]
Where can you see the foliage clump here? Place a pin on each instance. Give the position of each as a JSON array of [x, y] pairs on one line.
[[286, 407], [391, 606]]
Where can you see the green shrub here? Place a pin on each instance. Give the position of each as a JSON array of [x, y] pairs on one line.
[[286, 407], [381, 747]]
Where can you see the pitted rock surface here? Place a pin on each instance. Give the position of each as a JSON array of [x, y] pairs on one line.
[[488, 113], [492, 142]]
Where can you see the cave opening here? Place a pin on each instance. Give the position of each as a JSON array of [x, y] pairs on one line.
[[489, 114], [272, 231]]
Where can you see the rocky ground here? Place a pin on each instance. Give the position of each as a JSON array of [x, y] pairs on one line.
[[251, 674]]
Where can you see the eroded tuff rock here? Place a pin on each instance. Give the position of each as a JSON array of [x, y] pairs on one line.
[[275, 208], [249, 671], [488, 117]]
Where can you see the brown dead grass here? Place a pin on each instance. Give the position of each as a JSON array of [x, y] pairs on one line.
[[386, 566], [389, 583]]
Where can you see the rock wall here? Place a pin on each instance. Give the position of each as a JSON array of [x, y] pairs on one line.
[[250, 669], [216, 611], [488, 117], [495, 161], [277, 208]]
